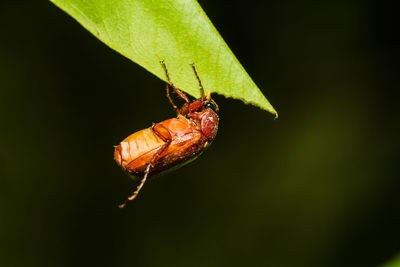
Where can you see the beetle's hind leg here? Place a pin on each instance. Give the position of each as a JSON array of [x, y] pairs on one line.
[[146, 173], [179, 92], [162, 132], [134, 195]]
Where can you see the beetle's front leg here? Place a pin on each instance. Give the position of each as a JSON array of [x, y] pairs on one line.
[[172, 102], [179, 92]]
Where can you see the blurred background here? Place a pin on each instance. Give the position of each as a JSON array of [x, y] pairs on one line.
[[317, 187]]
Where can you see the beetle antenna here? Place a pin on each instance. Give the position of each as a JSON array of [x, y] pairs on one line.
[[198, 78], [179, 92]]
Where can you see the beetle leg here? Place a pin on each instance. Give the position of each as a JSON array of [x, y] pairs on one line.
[[172, 102], [162, 132], [179, 92], [146, 173], [198, 78]]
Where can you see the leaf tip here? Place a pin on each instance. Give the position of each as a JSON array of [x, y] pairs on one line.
[[276, 115]]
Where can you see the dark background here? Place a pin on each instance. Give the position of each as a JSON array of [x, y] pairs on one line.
[[317, 187]]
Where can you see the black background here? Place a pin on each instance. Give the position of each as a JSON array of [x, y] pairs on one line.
[[317, 187]]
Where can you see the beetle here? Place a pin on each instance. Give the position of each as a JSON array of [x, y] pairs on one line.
[[171, 143]]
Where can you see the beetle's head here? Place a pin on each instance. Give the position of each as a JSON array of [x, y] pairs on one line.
[[209, 103]]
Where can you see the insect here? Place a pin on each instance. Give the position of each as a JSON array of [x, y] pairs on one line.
[[170, 143]]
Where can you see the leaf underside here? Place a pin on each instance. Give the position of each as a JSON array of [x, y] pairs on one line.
[[179, 32]]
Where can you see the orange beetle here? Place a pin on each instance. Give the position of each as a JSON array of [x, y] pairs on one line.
[[170, 143]]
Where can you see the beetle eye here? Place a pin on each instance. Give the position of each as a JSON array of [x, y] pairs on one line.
[[209, 105]]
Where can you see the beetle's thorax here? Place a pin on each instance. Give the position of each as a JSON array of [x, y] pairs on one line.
[[209, 124], [207, 121]]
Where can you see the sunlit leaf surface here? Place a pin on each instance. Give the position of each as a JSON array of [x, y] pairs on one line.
[[179, 32]]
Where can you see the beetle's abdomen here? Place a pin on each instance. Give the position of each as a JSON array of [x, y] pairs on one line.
[[136, 151], [136, 145], [181, 149]]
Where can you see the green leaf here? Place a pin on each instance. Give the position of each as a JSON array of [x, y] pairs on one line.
[[177, 31], [395, 262]]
